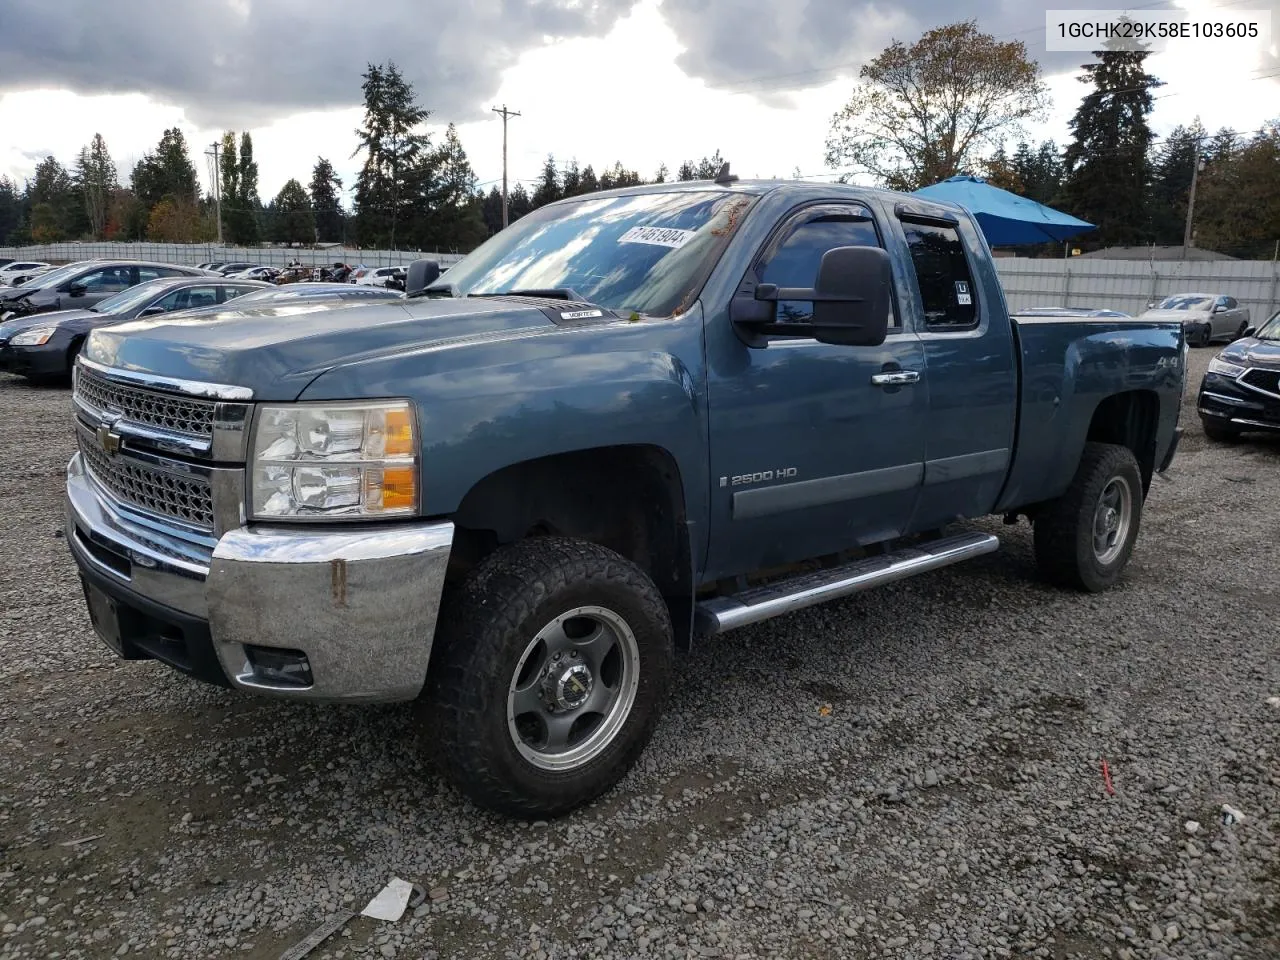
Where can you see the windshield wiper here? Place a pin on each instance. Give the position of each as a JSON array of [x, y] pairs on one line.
[[552, 293]]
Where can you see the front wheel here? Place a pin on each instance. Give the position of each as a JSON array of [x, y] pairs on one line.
[[1206, 335], [1084, 538], [553, 666], [1219, 432]]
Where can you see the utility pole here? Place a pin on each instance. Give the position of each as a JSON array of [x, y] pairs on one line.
[[217, 183], [1191, 200], [505, 114]]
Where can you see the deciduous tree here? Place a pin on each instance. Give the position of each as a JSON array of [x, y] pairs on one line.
[[928, 111]]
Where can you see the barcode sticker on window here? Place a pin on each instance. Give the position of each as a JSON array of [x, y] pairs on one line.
[[659, 236], [962, 293]]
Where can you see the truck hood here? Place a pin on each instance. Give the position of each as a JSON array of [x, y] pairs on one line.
[[277, 349], [1253, 352]]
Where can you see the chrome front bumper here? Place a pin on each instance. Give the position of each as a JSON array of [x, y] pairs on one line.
[[358, 605]]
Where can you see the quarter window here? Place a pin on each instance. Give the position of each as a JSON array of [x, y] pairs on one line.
[[942, 274], [190, 297]]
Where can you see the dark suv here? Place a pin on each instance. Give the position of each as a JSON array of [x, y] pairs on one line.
[[81, 285]]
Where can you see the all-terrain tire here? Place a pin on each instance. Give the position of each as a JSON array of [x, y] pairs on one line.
[[486, 624], [1064, 531]]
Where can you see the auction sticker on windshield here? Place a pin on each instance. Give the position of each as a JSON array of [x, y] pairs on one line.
[[659, 236]]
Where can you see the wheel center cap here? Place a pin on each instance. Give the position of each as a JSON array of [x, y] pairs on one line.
[[570, 686], [1109, 518]]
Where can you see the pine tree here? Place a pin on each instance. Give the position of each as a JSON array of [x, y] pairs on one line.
[[95, 175], [662, 174], [11, 209], [395, 149], [1172, 169], [325, 201], [168, 172], [518, 203], [492, 210], [1107, 163], [548, 189], [589, 183], [454, 217], [571, 185], [292, 217]]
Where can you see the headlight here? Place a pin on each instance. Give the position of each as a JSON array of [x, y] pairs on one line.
[[1223, 368], [35, 337], [335, 460]]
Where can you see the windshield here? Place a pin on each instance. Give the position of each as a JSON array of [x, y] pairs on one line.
[[128, 299], [54, 277], [648, 253], [1271, 329], [1186, 303]]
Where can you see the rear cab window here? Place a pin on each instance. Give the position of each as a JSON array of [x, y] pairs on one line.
[[948, 294]]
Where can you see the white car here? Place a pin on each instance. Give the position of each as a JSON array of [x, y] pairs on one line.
[[23, 268], [378, 276]]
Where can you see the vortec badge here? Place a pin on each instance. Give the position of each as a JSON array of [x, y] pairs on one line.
[[109, 440]]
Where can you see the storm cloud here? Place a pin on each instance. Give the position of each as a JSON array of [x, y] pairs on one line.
[[236, 63]]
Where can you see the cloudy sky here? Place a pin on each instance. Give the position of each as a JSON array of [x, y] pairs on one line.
[[641, 81]]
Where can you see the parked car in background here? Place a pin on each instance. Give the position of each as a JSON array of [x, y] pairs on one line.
[[1240, 392], [1071, 312], [378, 276], [1205, 317], [227, 269], [15, 270], [84, 284], [43, 346], [307, 292], [256, 273], [211, 265]]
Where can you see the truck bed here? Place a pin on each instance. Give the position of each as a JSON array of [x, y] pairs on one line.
[[1067, 367]]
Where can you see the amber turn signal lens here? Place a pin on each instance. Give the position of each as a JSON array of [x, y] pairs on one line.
[[399, 433], [398, 488]]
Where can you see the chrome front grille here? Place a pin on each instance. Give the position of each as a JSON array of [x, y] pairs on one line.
[[188, 499], [162, 411]]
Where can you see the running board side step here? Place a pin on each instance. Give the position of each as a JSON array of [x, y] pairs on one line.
[[808, 589]]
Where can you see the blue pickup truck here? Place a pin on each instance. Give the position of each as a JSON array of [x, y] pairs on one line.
[[629, 420]]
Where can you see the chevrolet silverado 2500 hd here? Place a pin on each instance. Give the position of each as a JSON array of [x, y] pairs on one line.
[[630, 419]]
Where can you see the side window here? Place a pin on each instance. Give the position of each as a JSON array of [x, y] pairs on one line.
[[1230, 303], [942, 273], [793, 261], [107, 280], [189, 297], [231, 291]]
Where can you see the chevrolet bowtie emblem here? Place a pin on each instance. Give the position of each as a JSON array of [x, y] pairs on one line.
[[109, 440]]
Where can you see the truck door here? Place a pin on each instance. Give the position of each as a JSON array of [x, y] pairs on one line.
[[814, 447], [970, 363]]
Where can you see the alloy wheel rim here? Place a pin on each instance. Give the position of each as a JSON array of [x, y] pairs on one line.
[[1112, 518], [573, 688]]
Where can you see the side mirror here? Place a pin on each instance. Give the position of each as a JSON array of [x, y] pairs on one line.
[[851, 301], [1250, 331], [421, 274], [152, 311], [77, 290]]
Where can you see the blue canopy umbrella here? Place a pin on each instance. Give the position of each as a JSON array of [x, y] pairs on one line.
[[1006, 219]]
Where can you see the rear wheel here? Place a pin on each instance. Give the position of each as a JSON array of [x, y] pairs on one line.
[[553, 668], [1085, 537], [1244, 325], [1206, 335]]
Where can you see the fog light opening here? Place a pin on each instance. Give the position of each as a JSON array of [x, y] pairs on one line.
[[278, 667]]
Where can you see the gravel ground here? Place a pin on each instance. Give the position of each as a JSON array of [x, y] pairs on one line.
[[915, 772]]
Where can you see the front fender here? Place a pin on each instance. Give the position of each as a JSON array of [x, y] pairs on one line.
[[485, 406]]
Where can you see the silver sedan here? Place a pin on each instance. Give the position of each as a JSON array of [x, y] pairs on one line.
[[1205, 317]]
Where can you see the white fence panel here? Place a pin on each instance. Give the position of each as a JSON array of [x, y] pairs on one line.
[[1128, 284]]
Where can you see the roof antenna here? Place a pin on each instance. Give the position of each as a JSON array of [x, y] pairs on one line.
[[724, 176]]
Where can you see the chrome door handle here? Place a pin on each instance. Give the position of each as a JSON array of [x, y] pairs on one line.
[[898, 376]]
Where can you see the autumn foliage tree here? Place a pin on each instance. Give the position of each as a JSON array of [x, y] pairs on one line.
[[928, 111]]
